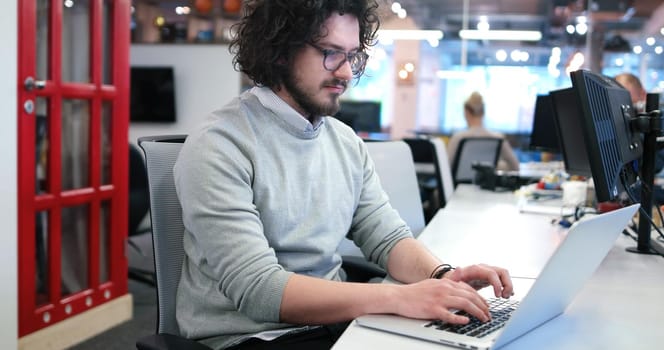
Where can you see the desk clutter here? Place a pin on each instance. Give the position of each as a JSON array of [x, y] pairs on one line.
[[488, 178]]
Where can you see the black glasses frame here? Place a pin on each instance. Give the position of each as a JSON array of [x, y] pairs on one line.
[[356, 59]]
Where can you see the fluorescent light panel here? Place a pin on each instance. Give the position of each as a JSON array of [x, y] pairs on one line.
[[409, 34], [515, 35]]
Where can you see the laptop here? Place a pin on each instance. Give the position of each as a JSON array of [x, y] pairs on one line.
[[571, 265]]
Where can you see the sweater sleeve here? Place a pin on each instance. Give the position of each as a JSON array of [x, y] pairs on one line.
[[224, 236], [376, 226]]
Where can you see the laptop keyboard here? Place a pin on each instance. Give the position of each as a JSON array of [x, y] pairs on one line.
[[501, 310]]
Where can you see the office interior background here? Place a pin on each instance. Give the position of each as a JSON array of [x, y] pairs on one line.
[[431, 55]]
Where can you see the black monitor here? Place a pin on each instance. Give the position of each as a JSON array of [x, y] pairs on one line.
[[568, 127], [606, 114], [543, 136], [617, 137], [362, 116], [152, 95]]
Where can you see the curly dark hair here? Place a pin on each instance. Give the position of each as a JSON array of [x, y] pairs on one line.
[[272, 31]]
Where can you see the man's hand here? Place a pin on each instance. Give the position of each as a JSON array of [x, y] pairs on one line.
[[480, 276], [438, 298]]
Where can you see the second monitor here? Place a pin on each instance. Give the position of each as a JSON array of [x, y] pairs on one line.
[[362, 116]]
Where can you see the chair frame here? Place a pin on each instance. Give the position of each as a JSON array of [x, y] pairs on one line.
[[424, 151], [167, 269], [459, 152]]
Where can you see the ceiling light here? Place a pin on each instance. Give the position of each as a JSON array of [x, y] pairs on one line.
[[556, 51], [581, 28], [501, 55], [659, 50], [408, 34], [396, 7], [483, 23], [516, 35], [570, 29], [637, 49], [650, 41], [402, 13]]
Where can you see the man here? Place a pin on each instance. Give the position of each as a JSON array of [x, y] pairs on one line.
[[473, 111], [269, 187]]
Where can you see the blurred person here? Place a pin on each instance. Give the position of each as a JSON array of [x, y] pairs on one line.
[[473, 109], [637, 93]]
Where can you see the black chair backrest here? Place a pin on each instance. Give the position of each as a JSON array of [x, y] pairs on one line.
[[139, 197], [473, 150], [424, 152]]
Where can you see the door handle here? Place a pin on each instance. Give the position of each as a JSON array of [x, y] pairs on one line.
[[30, 83]]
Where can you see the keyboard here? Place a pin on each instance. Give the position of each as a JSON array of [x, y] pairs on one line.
[[501, 310]]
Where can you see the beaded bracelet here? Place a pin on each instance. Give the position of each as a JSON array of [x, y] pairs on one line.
[[441, 270]]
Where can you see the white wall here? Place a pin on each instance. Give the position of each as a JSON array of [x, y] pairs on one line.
[[204, 81], [8, 193]]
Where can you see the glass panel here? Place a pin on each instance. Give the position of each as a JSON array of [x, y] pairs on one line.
[[41, 258], [106, 134], [104, 241], [74, 249], [75, 143], [107, 43], [43, 25], [42, 140], [76, 41]]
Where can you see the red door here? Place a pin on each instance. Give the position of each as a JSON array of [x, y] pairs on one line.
[[72, 174]]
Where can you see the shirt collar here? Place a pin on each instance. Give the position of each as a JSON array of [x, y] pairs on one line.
[[283, 110]]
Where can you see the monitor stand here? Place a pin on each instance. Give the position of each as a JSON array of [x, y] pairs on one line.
[[652, 126]]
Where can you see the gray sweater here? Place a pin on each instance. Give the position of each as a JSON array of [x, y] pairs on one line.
[[265, 194]]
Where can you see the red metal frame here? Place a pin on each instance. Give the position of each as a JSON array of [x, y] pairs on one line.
[[33, 317]]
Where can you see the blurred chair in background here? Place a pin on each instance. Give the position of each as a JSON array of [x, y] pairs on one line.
[[471, 150]]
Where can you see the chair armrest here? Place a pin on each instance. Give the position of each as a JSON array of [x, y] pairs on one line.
[[168, 342], [358, 269]]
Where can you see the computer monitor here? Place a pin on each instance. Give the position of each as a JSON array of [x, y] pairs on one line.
[[152, 95], [543, 136], [362, 116], [606, 114], [568, 128]]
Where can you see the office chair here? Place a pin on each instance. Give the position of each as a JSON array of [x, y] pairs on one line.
[[167, 230], [140, 256], [485, 150], [446, 177], [395, 168], [433, 175]]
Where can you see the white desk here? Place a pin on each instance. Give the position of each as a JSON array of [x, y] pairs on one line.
[[621, 307]]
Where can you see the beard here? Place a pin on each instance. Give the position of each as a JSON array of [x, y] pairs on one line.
[[306, 99]]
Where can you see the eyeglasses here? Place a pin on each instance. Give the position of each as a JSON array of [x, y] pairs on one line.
[[334, 59]]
